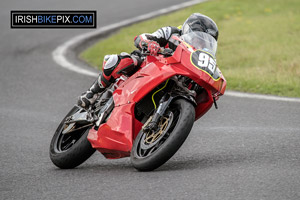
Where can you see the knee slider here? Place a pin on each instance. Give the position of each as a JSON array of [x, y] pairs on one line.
[[111, 61]]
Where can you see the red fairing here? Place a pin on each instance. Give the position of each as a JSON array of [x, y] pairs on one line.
[[114, 138]]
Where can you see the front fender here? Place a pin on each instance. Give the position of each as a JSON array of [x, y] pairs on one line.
[[184, 96]]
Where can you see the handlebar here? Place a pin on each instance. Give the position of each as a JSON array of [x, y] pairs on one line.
[[163, 51]]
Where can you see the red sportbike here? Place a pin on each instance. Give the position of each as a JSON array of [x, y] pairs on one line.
[[148, 115]]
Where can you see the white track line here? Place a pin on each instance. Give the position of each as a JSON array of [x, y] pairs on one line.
[[59, 54], [260, 96]]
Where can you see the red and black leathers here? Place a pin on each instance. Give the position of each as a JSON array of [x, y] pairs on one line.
[[114, 65], [124, 63], [162, 36]]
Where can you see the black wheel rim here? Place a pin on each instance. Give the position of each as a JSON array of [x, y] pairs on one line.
[[149, 145]]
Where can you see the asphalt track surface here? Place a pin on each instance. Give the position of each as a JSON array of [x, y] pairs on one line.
[[247, 149]]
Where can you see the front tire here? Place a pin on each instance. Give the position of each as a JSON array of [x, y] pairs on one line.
[[69, 150], [151, 151]]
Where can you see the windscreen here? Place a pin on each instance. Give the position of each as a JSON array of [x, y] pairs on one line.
[[202, 41]]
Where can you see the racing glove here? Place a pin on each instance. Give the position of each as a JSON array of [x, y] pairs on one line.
[[153, 48]]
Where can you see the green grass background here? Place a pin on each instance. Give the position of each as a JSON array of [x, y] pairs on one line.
[[258, 46]]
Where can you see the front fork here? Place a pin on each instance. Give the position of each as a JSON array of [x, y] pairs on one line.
[[164, 103]]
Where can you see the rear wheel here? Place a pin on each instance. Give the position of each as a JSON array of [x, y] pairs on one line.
[[72, 148], [152, 149]]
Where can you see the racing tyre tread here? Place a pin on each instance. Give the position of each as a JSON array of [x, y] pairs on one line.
[[173, 142]]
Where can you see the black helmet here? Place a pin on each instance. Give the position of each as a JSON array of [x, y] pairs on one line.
[[202, 23]]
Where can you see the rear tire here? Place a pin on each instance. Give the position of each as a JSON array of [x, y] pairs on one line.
[[72, 149], [146, 156]]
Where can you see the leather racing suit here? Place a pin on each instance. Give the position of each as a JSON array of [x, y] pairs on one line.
[[116, 65]]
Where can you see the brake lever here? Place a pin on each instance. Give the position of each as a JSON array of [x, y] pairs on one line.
[[164, 51]]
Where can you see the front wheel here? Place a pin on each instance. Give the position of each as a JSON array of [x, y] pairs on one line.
[[68, 150], [152, 149]]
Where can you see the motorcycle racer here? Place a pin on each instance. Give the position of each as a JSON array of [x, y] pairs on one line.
[[116, 65]]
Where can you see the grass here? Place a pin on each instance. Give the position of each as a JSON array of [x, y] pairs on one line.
[[258, 46]]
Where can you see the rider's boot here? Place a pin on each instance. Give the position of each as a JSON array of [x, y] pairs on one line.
[[89, 97]]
